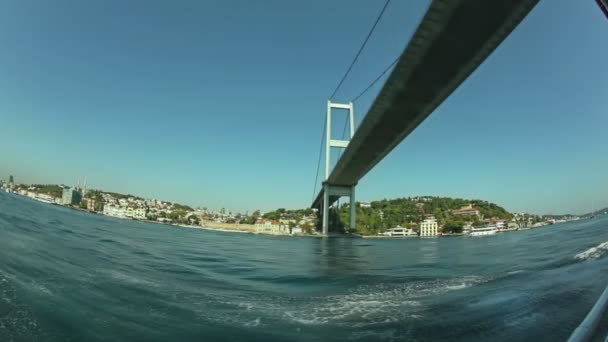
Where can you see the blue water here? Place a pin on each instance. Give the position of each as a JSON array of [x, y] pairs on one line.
[[72, 276]]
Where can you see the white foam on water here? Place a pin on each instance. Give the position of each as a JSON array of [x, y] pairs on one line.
[[361, 306], [378, 304], [127, 278], [41, 288], [246, 306], [457, 287], [515, 272], [385, 335], [253, 323], [593, 252]]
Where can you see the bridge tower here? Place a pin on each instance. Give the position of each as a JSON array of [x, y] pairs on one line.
[[331, 190]]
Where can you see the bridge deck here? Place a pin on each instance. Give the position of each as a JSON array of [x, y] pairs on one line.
[[452, 40]]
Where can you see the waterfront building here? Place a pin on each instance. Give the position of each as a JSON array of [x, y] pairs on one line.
[[296, 230], [270, 227], [429, 227], [140, 213], [129, 212], [11, 182], [93, 204], [287, 221], [114, 211], [70, 197], [137, 213], [468, 210]]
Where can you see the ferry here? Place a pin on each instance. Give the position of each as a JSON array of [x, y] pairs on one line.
[[44, 198], [399, 232], [486, 230]]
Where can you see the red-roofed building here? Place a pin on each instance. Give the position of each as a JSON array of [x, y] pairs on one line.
[[468, 210]]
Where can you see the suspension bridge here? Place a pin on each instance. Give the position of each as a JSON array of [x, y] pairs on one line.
[[452, 40]]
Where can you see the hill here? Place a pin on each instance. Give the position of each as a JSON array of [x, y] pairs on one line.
[[407, 212], [377, 216]]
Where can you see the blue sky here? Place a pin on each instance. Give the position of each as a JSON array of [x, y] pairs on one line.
[[221, 103]]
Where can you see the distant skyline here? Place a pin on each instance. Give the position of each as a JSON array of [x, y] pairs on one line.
[[221, 104]]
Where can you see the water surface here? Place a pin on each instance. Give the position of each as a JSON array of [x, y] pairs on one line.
[[72, 276]]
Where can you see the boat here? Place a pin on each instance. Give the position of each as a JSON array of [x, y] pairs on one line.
[[44, 198], [399, 232], [490, 229]]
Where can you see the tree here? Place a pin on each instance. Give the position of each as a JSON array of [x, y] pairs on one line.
[[308, 228], [272, 215], [182, 207], [193, 220], [251, 219], [453, 227]]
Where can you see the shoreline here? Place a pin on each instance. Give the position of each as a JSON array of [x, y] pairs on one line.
[[240, 231], [252, 231]]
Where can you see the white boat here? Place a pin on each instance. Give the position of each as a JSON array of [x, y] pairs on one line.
[[44, 198], [486, 230], [399, 232]]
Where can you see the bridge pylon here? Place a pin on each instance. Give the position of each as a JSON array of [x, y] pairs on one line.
[[333, 190]]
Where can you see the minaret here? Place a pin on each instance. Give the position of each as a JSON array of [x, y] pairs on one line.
[[84, 186]]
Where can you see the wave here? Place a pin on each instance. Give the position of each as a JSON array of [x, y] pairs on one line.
[[362, 306], [378, 304], [515, 272], [130, 279], [593, 252]]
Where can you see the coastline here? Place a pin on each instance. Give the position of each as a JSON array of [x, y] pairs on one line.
[[209, 228], [250, 229]]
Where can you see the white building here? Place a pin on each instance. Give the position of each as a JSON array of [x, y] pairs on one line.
[[114, 211], [429, 227], [140, 213], [296, 230], [270, 227], [364, 205], [137, 213]]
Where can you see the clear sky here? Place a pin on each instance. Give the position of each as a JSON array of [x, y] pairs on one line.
[[221, 103]]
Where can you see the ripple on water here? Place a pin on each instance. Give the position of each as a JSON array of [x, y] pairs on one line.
[[122, 277], [16, 319]]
